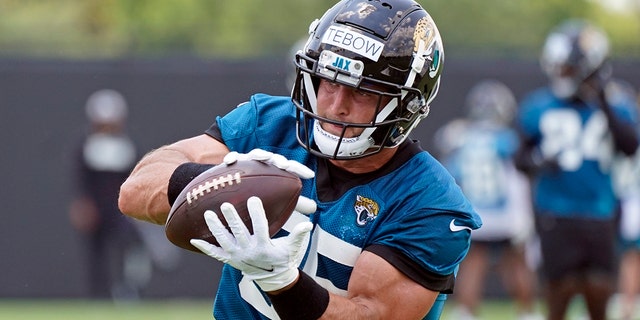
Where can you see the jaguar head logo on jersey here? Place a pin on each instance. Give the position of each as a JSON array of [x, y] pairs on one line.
[[366, 210]]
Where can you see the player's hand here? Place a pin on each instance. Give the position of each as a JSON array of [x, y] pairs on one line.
[[594, 88], [545, 162], [277, 160], [304, 205], [271, 263]]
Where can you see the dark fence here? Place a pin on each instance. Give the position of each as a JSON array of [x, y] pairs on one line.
[[42, 117]]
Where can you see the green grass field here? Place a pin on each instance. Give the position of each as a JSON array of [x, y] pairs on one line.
[[169, 310], [91, 310]]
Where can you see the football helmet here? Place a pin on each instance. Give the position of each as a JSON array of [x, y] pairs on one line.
[[106, 106], [574, 52], [491, 100], [388, 48]]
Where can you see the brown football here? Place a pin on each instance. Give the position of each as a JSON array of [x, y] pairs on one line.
[[235, 183]]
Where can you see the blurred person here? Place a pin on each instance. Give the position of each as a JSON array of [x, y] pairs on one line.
[[478, 150], [384, 226], [626, 304], [117, 262], [570, 136]]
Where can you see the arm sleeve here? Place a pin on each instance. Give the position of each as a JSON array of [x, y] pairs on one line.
[[624, 134]]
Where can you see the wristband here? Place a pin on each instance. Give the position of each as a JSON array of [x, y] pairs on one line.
[[305, 300], [181, 177]]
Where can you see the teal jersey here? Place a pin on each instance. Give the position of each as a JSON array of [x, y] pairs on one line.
[[576, 134], [410, 212], [480, 163], [479, 154]]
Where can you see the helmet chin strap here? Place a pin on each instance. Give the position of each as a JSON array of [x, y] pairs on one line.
[[327, 143]]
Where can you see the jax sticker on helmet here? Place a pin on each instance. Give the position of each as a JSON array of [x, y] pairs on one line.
[[331, 63]]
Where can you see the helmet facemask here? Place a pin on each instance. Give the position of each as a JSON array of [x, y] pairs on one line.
[[388, 128], [404, 80]]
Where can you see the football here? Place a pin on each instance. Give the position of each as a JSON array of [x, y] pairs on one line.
[[234, 183]]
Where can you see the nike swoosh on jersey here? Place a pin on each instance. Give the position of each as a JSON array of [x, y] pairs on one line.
[[455, 228]]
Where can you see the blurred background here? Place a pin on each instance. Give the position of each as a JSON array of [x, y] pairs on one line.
[[179, 64], [152, 29]]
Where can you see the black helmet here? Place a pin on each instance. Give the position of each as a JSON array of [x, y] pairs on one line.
[[491, 100], [391, 44], [574, 52]]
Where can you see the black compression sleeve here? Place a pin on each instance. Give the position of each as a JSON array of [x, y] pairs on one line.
[[181, 177], [624, 135], [306, 300]]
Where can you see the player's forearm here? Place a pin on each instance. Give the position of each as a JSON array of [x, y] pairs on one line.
[[362, 308], [402, 305], [394, 298], [144, 194], [624, 134], [344, 308]]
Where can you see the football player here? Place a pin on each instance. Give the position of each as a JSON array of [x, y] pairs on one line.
[[103, 159], [571, 134], [391, 226], [478, 150], [626, 175]]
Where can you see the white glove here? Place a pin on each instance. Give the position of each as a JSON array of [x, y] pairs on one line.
[[304, 205], [271, 263], [277, 160]]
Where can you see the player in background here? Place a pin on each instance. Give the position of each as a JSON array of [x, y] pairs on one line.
[[391, 226], [571, 134], [626, 304], [104, 158], [478, 150]]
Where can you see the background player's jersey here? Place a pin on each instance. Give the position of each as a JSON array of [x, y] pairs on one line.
[[406, 210], [626, 173], [577, 136], [479, 156], [626, 177]]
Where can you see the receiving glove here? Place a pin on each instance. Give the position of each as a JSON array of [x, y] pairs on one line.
[[271, 263], [277, 160], [304, 205]]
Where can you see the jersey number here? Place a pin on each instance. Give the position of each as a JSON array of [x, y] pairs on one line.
[[566, 139]]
